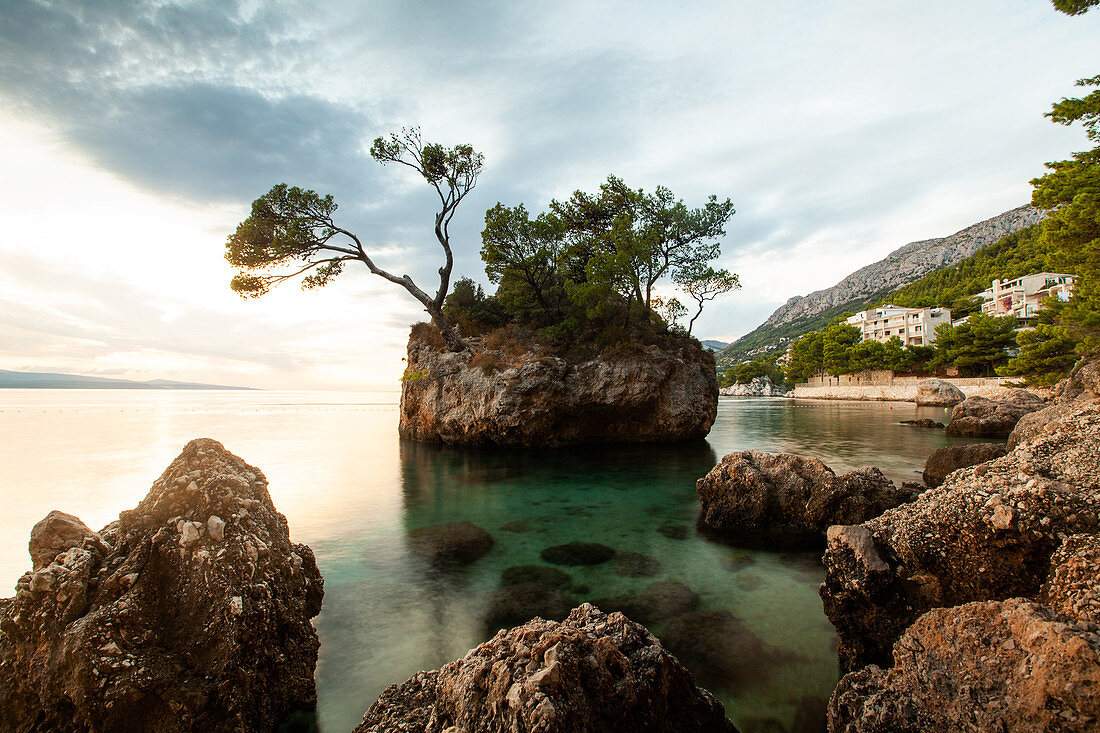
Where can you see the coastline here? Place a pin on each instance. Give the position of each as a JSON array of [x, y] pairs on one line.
[[896, 390]]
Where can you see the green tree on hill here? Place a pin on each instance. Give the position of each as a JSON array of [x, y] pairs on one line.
[[1047, 352], [976, 347]]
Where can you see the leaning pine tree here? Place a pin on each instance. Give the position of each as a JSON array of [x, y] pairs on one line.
[[292, 232]]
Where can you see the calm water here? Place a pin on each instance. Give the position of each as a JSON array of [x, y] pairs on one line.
[[352, 491]]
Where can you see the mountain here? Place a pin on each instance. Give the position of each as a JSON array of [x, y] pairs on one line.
[[714, 345], [802, 314], [48, 380]]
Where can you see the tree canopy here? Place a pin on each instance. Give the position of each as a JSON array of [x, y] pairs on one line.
[[292, 231]]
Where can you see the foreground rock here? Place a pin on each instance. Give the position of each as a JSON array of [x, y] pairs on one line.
[[983, 417], [787, 501], [992, 666], [987, 533], [485, 396], [591, 672], [191, 612], [938, 393], [1080, 388], [953, 457]]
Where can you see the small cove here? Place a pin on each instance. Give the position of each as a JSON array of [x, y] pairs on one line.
[[353, 491]]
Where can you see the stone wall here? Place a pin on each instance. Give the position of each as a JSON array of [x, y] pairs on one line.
[[890, 389]]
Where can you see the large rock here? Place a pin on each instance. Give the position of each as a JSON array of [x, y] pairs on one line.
[[992, 666], [483, 397], [1073, 586], [953, 457], [987, 533], [591, 672], [938, 393], [1081, 387], [983, 417], [191, 612], [784, 500]]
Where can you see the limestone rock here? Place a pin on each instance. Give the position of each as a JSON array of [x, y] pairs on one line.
[[1073, 586], [591, 672], [953, 457], [55, 534], [938, 393], [987, 533], [133, 630], [785, 500], [986, 666], [486, 397], [758, 387], [983, 417]]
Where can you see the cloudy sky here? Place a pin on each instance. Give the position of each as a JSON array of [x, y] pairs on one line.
[[134, 135]]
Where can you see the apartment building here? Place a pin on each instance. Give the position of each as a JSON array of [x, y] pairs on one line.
[[914, 326], [1024, 296]]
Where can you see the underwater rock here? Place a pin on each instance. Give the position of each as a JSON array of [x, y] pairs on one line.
[[718, 648], [516, 604], [635, 565], [578, 553], [655, 603], [591, 672], [450, 544], [540, 575], [673, 531]]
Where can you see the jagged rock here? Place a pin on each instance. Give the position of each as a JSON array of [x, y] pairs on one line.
[[55, 534], [938, 393], [718, 648], [578, 553], [985, 666], [987, 533], [591, 672], [657, 602], [483, 397], [787, 501], [924, 422], [953, 457], [452, 544], [1081, 387], [983, 417], [131, 629], [1073, 586], [758, 387]]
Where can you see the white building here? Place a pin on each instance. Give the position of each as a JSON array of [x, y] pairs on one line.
[[914, 326], [1024, 296]]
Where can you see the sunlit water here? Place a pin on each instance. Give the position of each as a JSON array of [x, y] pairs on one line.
[[352, 491]]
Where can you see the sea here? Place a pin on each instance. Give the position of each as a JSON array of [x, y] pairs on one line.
[[353, 490]]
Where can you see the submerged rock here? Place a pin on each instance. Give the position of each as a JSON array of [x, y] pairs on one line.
[[158, 623], [578, 553], [784, 500], [656, 603], [485, 397], [635, 565], [938, 393], [450, 544], [591, 672], [541, 575], [987, 533], [983, 417], [953, 457], [518, 603], [924, 422], [984, 666], [718, 648]]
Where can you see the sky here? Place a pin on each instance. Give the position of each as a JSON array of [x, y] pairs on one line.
[[134, 135]]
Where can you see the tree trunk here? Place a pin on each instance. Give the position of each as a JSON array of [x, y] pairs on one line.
[[449, 333]]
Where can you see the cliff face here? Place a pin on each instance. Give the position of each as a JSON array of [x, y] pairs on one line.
[[486, 397], [906, 264], [191, 612]]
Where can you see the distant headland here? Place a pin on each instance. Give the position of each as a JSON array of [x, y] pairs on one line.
[[49, 380]]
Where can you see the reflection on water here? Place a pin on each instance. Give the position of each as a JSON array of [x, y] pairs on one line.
[[353, 491]]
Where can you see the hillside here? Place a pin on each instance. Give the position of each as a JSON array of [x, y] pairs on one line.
[[875, 282], [49, 380]]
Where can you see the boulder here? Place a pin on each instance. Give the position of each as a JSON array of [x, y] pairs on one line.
[[718, 648], [156, 623], [924, 422], [1073, 586], [983, 417], [490, 397], [590, 672], [758, 387], [783, 500], [983, 666], [953, 457], [987, 533], [453, 544], [938, 393]]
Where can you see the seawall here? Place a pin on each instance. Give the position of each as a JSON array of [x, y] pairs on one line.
[[897, 389]]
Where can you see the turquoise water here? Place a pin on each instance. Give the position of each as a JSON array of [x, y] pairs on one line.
[[353, 491]]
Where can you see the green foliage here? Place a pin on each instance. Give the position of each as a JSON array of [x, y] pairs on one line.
[[471, 311], [837, 349], [807, 357], [976, 347], [1075, 7], [1047, 352], [762, 366], [703, 283], [1071, 191]]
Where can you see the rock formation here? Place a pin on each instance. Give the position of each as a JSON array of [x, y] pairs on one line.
[[591, 672], [953, 457], [785, 500], [924, 422], [758, 387], [485, 397], [938, 393], [191, 612], [983, 417]]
